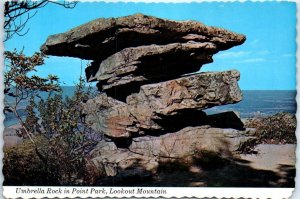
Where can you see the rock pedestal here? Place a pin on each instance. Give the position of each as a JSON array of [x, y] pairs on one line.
[[150, 107]]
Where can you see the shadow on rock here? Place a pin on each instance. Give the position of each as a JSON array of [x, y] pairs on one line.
[[209, 169]]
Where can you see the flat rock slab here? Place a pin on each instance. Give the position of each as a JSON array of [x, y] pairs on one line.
[[188, 140], [194, 92], [103, 37], [148, 109], [136, 66], [146, 153]]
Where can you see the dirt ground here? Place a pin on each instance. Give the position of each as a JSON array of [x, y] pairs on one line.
[[272, 156], [272, 166]]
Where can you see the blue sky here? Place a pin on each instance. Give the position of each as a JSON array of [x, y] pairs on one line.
[[267, 60]]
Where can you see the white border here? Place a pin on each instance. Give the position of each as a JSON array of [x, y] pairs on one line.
[[274, 193]]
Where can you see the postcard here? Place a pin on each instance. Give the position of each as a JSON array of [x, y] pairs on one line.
[[149, 99]]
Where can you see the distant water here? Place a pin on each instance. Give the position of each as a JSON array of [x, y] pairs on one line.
[[255, 103], [261, 103], [10, 119]]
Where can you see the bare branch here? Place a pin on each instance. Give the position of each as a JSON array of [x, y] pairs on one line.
[[14, 24]]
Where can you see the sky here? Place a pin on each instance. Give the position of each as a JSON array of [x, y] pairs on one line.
[[266, 61]]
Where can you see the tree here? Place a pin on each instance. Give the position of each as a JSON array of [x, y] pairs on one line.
[[19, 86], [63, 140], [17, 13], [69, 138], [54, 134]]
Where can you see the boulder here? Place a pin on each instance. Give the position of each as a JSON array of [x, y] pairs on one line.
[[98, 39], [111, 161], [188, 140], [149, 109], [151, 105], [193, 92], [145, 154]]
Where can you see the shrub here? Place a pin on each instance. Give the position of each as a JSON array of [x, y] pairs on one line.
[[61, 142], [21, 165], [276, 129]]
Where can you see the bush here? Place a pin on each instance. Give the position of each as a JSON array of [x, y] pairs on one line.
[[57, 154], [276, 129], [21, 165]]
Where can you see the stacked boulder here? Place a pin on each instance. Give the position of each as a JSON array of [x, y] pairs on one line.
[[151, 101]]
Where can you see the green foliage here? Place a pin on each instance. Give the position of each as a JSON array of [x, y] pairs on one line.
[[66, 141], [19, 84], [21, 165], [16, 75], [63, 118], [56, 139], [31, 121]]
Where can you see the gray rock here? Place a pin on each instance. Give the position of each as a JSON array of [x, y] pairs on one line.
[[109, 116], [146, 153], [188, 140], [103, 37], [194, 92], [136, 66], [156, 102]]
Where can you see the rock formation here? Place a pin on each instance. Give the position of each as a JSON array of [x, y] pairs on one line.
[[147, 109], [101, 38], [150, 107], [145, 153]]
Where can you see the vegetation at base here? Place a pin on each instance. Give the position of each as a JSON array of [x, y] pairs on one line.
[[56, 139], [56, 152], [54, 147], [276, 129], [21, 165]]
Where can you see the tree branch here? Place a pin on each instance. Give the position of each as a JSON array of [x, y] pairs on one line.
[[14, 10]]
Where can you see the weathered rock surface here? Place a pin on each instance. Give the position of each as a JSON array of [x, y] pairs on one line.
[[198, 92], [146, 153], [109, 116], [150, 108], [186, 141], [102, 37], [135, 66], [150, 111]]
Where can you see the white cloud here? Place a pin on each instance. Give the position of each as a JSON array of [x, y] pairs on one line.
[[254, 42], [288, 55], [263, 52], [226, 55], [254, 60]]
